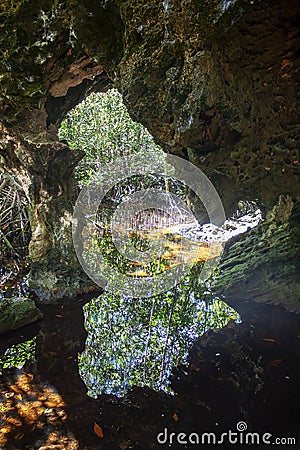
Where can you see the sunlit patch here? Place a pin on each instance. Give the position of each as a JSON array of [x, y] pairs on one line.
[[175, 248], [175, 242], [138, 273], [25, 406]]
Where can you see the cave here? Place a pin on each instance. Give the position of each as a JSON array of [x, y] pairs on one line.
[[216, 83]]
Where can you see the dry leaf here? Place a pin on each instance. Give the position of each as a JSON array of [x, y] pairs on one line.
[[175, 417], [269, 340], [98, 430]]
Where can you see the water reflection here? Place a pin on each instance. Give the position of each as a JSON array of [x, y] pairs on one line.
[[46, 403], [43, 399], [117, 342], [17, 355], [137, 341]]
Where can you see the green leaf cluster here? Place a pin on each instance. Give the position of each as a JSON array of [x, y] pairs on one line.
[[17, 355]]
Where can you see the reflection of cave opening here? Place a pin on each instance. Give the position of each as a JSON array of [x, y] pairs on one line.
[[138, 341]]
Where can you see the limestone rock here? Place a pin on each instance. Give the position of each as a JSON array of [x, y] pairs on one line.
[[263, 266], [16, 312]]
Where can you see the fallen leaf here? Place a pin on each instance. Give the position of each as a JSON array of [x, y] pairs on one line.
[[59, 316], [269, 340], [98, 430], [175, 417]]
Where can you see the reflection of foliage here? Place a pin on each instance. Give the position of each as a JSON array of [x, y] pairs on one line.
[[17, 355], [137, 341]]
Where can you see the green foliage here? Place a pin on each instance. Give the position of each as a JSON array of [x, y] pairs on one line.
[[103, 129], [17, 355], [14, 231]]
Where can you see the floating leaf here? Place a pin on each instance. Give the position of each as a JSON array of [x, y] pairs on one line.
[[19, 436], [98, 430]]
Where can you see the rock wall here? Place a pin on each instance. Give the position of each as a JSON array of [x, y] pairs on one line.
[[263, 266], [220, 88]]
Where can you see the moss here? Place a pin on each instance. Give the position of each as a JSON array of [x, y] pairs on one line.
[[52, 283], [263, 265], [17, 312]]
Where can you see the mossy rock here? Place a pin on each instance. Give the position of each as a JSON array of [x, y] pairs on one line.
[[16, 312]]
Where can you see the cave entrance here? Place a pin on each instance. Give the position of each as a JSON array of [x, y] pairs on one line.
[[137, 341]]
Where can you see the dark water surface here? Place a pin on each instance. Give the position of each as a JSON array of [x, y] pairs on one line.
[[46, 402], [126, 341]]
